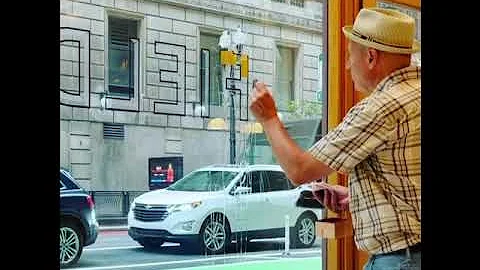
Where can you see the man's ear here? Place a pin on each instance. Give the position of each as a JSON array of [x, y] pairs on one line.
[[372, 55]]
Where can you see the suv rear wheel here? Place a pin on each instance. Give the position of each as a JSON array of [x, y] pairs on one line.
[[304, 234], [71, 243]]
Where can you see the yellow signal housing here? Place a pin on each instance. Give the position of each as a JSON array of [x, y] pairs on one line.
[[228, 58], [244, 66]]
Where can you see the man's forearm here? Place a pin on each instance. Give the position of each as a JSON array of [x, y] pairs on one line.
[[299, 165]]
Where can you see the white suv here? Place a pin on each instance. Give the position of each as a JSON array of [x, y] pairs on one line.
[[212, 206]]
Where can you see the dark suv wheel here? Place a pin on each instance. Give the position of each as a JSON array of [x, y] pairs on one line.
[[78, 225], [214, 235], [71, 243]]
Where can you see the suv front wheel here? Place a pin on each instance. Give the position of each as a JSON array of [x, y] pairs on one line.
[[214, 235], [71, 243]]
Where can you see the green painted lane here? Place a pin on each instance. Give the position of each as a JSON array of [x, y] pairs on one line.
[[280, 264]]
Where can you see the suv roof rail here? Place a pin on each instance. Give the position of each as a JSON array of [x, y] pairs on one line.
[[225, 165]]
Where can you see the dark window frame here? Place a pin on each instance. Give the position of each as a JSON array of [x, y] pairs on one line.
[[126, 45], [204, 93], [281, 105], [208, 93]]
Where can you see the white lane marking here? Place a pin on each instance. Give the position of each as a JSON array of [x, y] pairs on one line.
[[269, 240], [267, 258], [312, 251], [245, 263], [111, 248], [127, 247], [198, 260]]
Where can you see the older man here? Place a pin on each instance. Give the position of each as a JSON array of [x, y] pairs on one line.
[[377, 144]]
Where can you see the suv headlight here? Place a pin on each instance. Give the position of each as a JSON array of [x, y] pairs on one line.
[[182, 207]]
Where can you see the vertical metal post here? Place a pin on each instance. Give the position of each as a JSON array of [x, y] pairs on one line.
[[286, 252], [126, 203], [232, 116], [232, 127]]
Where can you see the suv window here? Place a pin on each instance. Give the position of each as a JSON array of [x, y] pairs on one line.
[[277, 181], [255, 180]]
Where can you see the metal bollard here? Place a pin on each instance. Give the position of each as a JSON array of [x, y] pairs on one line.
[[286, 252]]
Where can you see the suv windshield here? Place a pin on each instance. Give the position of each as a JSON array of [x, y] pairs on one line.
[[204, 181]]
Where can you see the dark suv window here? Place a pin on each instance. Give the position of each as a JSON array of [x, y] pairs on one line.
[[277, 181], [255, 180], [67, 180]]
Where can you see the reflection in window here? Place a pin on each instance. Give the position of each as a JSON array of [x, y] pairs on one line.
[[283, 41], [120, 55], [284, 77], [210, 70]]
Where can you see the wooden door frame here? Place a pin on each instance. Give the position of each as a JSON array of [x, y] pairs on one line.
[[342, 254]]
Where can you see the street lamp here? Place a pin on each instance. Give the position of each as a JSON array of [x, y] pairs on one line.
[[232, 55]]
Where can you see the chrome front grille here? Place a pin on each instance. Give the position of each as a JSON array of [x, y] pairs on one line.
[[150, 212]]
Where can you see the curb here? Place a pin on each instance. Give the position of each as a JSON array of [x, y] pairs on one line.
[[113, 228]]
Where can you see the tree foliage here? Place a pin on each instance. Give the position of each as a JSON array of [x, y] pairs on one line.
[[304, 109]]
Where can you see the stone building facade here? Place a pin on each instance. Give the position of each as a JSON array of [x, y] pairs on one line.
[[111, 126]]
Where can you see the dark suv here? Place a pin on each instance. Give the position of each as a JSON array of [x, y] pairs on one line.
[[78, 225]]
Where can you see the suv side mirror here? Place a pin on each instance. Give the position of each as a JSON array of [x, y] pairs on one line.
[[242, 190]]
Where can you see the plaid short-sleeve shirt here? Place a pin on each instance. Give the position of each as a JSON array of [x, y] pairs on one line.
[[378, 145]]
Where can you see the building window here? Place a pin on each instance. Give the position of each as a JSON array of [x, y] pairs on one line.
[[210, 70], [284, 76], [122, 35]]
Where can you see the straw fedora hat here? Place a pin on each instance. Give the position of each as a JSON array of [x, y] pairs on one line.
[[385, 30]]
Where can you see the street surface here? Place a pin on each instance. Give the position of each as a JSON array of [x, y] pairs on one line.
[[116, 250]]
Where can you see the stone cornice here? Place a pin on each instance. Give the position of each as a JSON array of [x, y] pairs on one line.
[[249, 12]]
